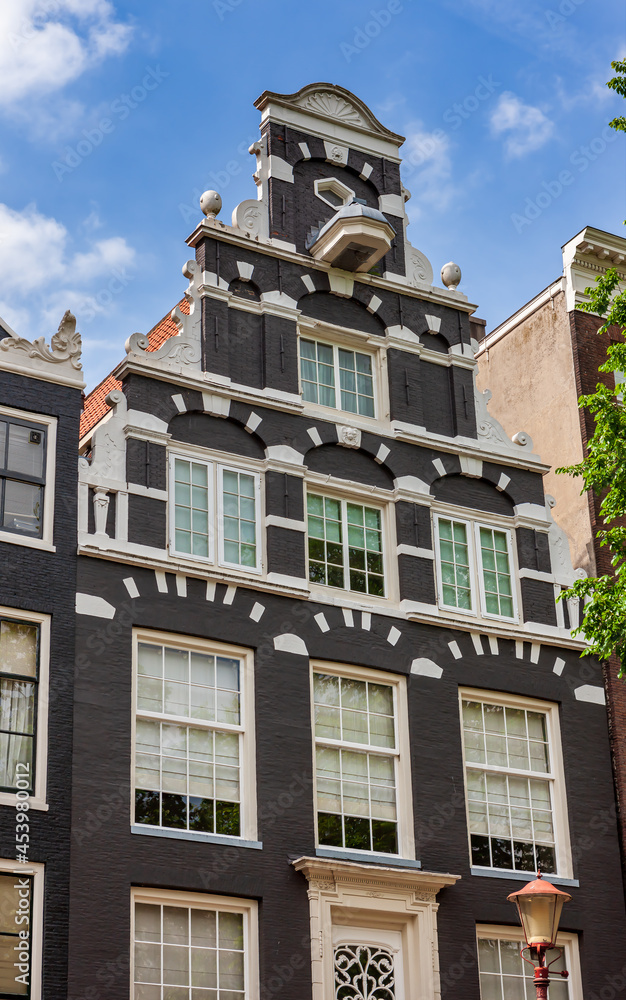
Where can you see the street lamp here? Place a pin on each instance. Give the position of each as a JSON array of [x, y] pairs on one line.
[[539, 905]]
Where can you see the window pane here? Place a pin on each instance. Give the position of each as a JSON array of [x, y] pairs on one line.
[[496, 572], [26, 450], [239, 520], [18, 648], [317, 372], [22, 507], [454, 558]]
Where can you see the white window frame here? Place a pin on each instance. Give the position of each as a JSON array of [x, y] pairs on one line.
[[38, 798], [342, 190], [351, 340], [36, 871], [203, 901], [47, 529], [402, 753], [336, 347], [477, 580], [247, 743], [346, 497], [216, 469], [565, 940], [556, 777]]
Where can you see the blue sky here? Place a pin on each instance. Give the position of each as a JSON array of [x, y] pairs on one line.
[[115, 116]]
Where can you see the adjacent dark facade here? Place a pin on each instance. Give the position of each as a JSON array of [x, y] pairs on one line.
[[40, 405]]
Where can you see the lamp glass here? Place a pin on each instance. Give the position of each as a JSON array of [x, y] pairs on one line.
[[540, 917]]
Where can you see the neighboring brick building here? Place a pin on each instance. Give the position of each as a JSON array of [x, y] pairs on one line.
[[331, 714], [537, 363], [40, 404]]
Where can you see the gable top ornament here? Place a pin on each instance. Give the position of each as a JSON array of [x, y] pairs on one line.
[[332, 104], [58, 363]]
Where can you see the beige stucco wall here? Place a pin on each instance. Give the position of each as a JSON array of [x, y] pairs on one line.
[[530, 372]]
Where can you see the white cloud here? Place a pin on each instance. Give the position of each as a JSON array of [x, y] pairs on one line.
[[524, 126], [46, 45], [594, 92], [427, 168], [34, 294]]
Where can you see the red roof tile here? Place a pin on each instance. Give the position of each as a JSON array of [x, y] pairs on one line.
[[95, 406]]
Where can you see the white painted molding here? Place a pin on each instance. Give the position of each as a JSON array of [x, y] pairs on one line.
[[392, 204], [275, 521], [590, 693], [424, 667], [471, 467], [336, 153], [96, 607], [289, 643], [279, 169], [414, 550], [434, 323], [245, 269], [314, 434], [284, 453]]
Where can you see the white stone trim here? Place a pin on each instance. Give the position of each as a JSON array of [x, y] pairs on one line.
[[289, 643], [590, 693], [275, 521], [415, 550], [424, 667], [279, 169], [246, 270], [366, 171], [96, 607], [398, 897]]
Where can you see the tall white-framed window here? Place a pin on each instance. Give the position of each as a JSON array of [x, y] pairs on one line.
[[210, 500], [361, 760], [345, 544], [340, 377], [194, 762], [515, 784], [24, 670], [21, 924], [193, 946], [27, 474], [504, 974], [475, 567]]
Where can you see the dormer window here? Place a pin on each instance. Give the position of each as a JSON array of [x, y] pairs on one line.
[[333, 192]]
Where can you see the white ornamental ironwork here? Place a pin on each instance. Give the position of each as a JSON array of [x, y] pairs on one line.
[[364, 973]]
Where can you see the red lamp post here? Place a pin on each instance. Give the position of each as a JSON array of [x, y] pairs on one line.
[[539, 905]]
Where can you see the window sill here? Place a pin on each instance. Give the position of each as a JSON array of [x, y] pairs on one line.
[[200, 838], [11, 799], [13, 538], [391, 860], [522, 876]]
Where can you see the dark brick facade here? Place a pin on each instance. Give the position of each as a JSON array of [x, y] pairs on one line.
[[45, 582]]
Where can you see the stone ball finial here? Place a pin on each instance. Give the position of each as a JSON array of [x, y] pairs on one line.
[[451, 275], [211, 204]]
